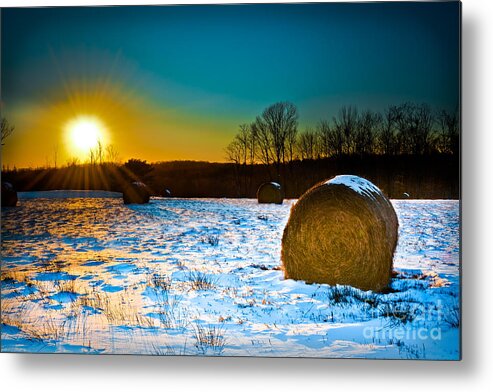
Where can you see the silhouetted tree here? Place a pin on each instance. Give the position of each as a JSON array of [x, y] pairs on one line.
[[138, 168], [345, 126], [364, 136], [386, 137], [55, 155], [323, 135], [111, 153], [242, 152], [100, 152], [331, 139], [307, 144], [252, 144], [414, 124], [406, 129], [235, 154], [92, 156], [243, 140], [263, 139], [277, 124], [448, 137], [291, 140], [7, 130]]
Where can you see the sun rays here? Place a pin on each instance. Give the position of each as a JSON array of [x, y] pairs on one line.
[[84, 133]]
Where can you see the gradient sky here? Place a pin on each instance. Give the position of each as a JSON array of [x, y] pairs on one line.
[[174, 82]]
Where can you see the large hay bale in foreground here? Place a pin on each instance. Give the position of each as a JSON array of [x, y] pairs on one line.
[[136, 193], [341, 231], [270, 192], [9, 195]]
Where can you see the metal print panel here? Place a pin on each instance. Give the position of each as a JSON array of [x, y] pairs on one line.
[[238, 180]]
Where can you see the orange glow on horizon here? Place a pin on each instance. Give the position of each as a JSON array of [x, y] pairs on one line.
[[65, 127]]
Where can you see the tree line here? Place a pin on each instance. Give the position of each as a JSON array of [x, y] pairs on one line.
[[400, 176], [407, 150], [274, 139]]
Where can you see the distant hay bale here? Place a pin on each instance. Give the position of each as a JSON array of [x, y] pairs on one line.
[[136, 193], [270, 192], [9, 195], [341, 231]]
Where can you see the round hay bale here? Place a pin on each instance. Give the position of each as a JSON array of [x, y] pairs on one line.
[[270, 192], [341, 231], [136, 193], [9, 195]]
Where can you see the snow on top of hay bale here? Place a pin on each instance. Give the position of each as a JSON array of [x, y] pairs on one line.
[[357, 184]]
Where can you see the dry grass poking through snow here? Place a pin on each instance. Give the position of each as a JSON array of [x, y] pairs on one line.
[[145, 280], [199, 280], [168, 304], [117, 308], [209, 338], [41, 329]]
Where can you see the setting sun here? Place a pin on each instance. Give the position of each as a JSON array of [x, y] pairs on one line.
[[84, 133]]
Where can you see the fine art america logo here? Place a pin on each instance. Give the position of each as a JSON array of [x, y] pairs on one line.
[[419, 322]]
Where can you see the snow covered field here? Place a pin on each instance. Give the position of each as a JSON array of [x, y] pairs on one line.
[[202, 277]]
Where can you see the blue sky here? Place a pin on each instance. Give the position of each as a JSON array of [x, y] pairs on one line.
[[219, 66]]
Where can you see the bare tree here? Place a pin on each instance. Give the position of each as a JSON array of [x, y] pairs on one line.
[[331, 139], [414, 126], [234, 154], [252, 144], [307, 144], [277, 123], [386, 138], [448, 138], [364, 136], [424, 129], [111, 153], [55, 155], [345, 125], [291, 140], [7, 130], [324, 135], [92, 156], [263, 138], [99, 152], [243, 139]]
